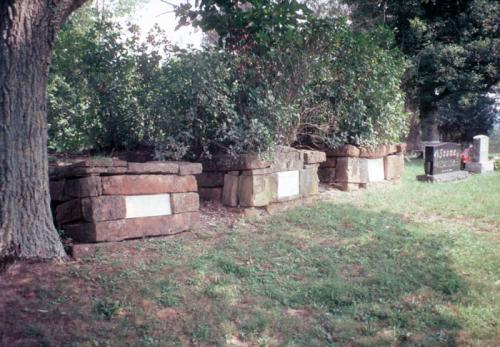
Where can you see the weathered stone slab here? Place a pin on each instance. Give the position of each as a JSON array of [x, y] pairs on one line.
[[326, 174], [185, 202], [56, 189], [483, 167], [401, 147], [100, 162], [344, 151], [351, 170], [210, 194], [153, 167], [287, 159], [253, 172], [330, 162], [68, 211], [375, 169], [230, 190], [444, 177], [394, 166], [288, 184], [131, 228], [83, 187], [147, 184], [375, 152], [309, 182], [96, 209], [313, 157], [147, 205], [229, 163], [210, 179], [258, 190], [391, 149], [187, 168]]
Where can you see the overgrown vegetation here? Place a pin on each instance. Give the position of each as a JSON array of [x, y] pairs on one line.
[[414, 264], [299, 79]]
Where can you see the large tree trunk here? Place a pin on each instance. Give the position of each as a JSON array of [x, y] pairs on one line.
[[27, 33], [428, 121]]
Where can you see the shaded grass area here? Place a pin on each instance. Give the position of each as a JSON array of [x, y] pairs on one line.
[[411, 265]]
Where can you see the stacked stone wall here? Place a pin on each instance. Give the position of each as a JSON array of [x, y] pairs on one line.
[[351, 168], [113, 200], [249, 181]]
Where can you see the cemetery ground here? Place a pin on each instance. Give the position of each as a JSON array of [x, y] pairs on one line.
[[409, 264]]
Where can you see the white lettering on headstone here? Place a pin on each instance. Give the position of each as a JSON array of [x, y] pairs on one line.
[[375, 168], [147, 205], [288, 184]]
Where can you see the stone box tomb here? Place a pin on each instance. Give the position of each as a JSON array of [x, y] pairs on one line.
[[249, 181], [350, 167], [113, 200]]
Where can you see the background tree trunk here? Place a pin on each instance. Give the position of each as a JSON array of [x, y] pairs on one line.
[[27, 33], [428, 121]]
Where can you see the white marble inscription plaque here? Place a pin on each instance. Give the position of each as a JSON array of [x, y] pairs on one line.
[[147, 205], [375, 168], [288, 184]]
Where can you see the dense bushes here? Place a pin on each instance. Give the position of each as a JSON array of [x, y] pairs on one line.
[[322, 86]]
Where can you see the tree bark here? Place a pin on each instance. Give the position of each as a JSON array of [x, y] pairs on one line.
[[27, 33], [428, 121]]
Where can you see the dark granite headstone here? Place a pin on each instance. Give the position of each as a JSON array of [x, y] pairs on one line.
[[442, 158], [442, 163]]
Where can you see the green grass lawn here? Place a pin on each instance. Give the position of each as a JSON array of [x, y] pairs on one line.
[[413, 264]]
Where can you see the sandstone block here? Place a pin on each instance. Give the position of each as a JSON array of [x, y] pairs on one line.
[[147, 184], [344, 151], [123, 229], [229, 163], [326, 174], [309, 182], [287, 159], [83, 187], [68, 211], [392, 149], [210, 179], [101, 208], [258, 190], [394, 166], [351, 170], [375, 152], [330, 162], [56, 189], [313, 157], [230, 190], [401, 147], [153, 167], [100, 162], [253, 172], [210, 194], [187, 168], [185, 202]]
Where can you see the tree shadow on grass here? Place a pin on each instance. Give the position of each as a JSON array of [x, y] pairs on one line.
[[372, 278]]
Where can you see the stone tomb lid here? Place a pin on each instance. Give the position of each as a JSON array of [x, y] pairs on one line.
[[442, 158]]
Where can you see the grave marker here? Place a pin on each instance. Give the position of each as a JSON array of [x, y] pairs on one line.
[[480, 161], [442, 163]]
